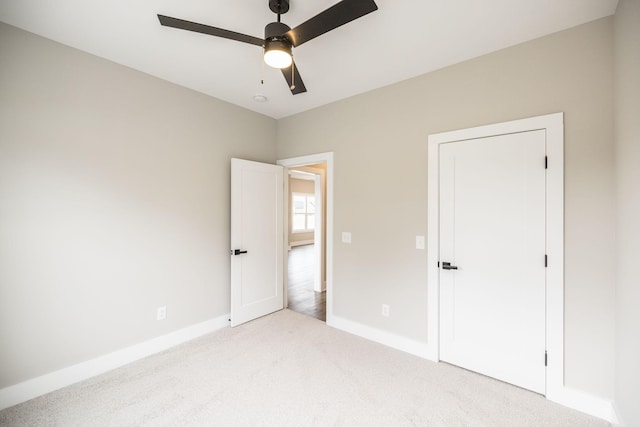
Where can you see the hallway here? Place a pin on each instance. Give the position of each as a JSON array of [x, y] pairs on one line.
[[300, 294]]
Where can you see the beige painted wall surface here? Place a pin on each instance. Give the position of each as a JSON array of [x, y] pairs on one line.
[[570, 71], [627, 135], [114, 200]]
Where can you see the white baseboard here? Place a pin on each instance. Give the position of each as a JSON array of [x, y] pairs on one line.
[[389, 339], [18, 393], [301, 243], [574, 399], [21, 392], [616, 413], [585, 402]]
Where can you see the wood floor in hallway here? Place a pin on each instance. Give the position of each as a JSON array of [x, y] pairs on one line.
[[300, 294]]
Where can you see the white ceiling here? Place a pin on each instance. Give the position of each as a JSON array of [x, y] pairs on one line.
[[402, 39]]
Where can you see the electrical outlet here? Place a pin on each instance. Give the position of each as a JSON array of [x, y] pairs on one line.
[[419, 242], [385, 310], [162, 312]]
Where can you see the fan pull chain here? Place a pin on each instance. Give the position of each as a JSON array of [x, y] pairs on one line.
[[262, 68]]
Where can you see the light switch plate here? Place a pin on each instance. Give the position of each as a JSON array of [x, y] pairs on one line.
[[419, 242], [346, 237]]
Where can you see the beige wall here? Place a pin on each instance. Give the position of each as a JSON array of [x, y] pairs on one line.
[[114, 200], [570, 71], [627, 136]]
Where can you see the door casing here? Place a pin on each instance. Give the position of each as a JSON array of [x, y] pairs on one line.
[[553, 124]]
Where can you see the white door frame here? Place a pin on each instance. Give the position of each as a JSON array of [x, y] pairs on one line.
[[318, 231], [313, 159], [553, 124]]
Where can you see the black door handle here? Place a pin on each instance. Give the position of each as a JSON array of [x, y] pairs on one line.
[[448, 266], [238, 252]]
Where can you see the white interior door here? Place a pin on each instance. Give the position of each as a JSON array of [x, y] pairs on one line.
[[257, 248], [492, 232]]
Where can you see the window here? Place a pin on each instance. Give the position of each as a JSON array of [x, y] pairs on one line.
[[302, 214]]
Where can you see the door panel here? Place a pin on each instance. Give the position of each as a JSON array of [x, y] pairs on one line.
[[257, 228], [492, 228]]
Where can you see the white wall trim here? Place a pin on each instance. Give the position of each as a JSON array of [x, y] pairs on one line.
[[417, 348], [619, 421], [553, 124], [21, 392], [571, 398], [301, 243], [587, 403]]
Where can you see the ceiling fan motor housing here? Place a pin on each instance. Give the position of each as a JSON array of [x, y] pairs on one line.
[[275, 30]]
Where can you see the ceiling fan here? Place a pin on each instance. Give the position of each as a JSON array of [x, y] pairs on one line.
[[279, 38]]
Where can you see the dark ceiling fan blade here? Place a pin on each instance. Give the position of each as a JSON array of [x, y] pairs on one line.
[[339, 14], [181, 24], [297, 80]]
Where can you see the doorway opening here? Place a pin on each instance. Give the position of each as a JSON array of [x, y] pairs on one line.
[[306, 290], [308, 235]]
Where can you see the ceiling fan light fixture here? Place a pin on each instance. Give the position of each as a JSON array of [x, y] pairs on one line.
[[277, 53], [279, 39]]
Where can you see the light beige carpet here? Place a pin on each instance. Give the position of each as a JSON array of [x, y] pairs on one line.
[[290, 370]]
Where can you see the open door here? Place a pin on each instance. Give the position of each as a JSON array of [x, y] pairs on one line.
[[257, 246]]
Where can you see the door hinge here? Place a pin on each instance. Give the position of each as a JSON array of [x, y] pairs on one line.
[[545, 358], [438, 264], [546, 162], [545, 260]]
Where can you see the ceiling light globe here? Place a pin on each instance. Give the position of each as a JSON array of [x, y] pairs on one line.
[[277, 59], [277, 54]]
